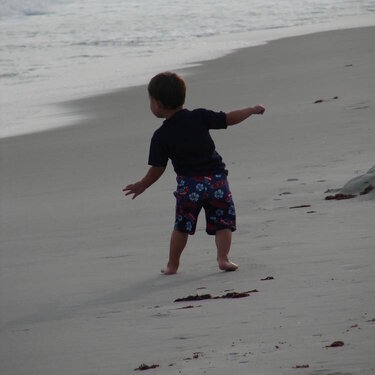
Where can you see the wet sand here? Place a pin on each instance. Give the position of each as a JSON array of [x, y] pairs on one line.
[[81, 291]]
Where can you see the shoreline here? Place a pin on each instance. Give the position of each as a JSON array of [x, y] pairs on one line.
[[81, 291], [43, 114]]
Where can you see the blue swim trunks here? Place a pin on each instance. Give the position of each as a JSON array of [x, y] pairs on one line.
[[210, 192]]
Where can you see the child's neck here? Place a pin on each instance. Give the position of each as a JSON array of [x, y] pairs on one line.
[[168, 113]]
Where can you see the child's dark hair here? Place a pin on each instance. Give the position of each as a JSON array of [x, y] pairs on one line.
[[169, 88]]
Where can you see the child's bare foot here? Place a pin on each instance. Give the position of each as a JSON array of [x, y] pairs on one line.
[[227, 265], [169, 270]]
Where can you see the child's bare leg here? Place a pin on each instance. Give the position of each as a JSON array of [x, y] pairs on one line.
[[178, 243], [223, 239]]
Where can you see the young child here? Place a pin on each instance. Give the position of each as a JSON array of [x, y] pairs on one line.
[[201, 174]]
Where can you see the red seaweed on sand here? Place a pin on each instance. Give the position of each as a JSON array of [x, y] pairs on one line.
[[335, 344], [143, 367], [201, 297]]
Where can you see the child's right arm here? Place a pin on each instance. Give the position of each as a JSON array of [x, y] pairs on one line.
[[235, 117], [153, 174]]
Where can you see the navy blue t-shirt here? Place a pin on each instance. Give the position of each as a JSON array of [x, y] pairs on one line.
[[185, 139]]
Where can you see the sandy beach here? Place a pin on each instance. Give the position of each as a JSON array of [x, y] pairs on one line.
[[81, 290]]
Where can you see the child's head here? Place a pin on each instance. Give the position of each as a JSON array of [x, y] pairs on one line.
[[169, 89]]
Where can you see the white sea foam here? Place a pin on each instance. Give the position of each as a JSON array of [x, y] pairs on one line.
[[55, 50]]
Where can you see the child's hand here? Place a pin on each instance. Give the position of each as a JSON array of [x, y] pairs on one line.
[[139, 187], [135, 189], [259, 109]]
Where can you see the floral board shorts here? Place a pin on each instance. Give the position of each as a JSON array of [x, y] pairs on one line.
[[210, 192]]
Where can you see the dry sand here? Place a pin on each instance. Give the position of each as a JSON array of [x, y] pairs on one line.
[[81, 291]]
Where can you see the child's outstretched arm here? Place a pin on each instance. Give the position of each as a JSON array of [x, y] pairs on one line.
[[235, 117], [140, 186]]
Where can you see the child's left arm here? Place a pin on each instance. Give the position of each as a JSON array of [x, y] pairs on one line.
[[153, 174], [235, 117]]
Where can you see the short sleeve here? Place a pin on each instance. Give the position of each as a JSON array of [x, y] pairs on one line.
[[158, 156], [214, 120]]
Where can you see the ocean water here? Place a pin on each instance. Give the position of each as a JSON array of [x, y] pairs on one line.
[[56, 50]]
